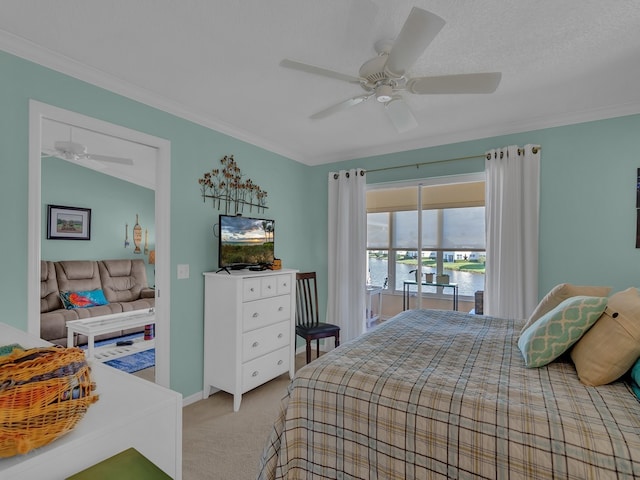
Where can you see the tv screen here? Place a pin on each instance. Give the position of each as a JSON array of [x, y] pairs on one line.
[[245, 242]]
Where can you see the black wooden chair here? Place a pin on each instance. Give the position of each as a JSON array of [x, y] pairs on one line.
[[307, 324]]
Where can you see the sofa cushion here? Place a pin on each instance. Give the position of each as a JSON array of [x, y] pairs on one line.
[[123, 280], [53, 325], [49, 293], [78, 275], [99, 310]]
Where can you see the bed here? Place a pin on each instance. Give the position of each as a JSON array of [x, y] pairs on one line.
[[441, 394]]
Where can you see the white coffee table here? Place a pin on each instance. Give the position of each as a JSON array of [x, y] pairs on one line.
[[92, 327]]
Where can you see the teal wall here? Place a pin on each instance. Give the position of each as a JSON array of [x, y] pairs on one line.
[[587, 195], [194, 150], [114, 204], [587, 216]]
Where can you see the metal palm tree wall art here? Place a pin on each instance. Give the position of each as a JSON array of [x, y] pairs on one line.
[[228, 191]]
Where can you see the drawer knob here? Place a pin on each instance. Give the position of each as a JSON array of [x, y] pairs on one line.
[[279, 362], [255, 315], [280, 335], [254, 374], [280, 309], [284, 284], [268, 287], [255, 344], [251, 289]]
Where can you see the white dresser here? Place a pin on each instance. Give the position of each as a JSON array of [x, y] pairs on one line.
[[249, 332]]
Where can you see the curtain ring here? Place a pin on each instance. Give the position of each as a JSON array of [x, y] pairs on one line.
[[501, 155], [335, 176], [488, 156], [347, 174], [535, 150], [362, 172]]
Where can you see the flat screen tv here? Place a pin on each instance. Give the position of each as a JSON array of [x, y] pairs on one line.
[[245, 242]]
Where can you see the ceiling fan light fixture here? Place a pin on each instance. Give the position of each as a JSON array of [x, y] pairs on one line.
[[384, 93], [385, 76]]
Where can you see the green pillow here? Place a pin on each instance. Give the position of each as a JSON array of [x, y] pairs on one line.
[[557, 330]]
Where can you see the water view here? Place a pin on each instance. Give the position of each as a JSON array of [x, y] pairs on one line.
[[468, 282]]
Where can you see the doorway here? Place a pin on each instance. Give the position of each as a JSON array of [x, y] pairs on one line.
[[40, 113]]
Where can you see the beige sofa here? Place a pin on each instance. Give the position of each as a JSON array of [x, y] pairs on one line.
[[124, 283]]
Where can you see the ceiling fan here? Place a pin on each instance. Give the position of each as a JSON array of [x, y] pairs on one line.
[[385, 77], [70, 150], [78, 152]]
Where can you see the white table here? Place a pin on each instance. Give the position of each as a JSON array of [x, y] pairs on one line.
[[131, 412], [94, 326]]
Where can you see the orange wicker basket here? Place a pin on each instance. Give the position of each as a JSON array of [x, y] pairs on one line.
[[44, 392]]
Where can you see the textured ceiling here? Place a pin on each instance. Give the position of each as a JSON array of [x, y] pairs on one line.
[[216, 62]]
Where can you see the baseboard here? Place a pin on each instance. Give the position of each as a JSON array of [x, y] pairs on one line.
[[325, 346], [191, 399]]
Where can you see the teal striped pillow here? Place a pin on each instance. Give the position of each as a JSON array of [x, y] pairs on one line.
[[557, 330]]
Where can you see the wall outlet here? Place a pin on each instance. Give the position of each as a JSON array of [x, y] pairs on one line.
[[183, 271]]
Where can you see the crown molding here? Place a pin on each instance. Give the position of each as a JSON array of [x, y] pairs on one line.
[[40, 55], [497, 130]]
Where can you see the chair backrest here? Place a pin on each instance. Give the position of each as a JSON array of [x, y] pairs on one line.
[[306, 300]]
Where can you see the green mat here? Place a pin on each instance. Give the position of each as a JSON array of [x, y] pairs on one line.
[[127, 465]]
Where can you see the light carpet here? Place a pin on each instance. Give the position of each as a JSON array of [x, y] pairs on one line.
[[218, 444]]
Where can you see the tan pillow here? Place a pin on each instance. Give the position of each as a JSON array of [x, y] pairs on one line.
[[612, 345], [559, 294]]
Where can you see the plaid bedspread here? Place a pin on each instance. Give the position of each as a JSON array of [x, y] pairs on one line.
[[435, 394]]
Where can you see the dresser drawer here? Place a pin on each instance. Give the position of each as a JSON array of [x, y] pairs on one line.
[[264, 368], [283, 284], [268, 286], [267, 311], [251, 289], [264, 340]]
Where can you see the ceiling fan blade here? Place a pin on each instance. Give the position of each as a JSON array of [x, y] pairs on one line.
[[305, 67], [340, 106], [105, 158], [418, 31], [463, 83], [400, 115]]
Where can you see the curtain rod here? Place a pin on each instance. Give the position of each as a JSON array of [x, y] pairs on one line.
[[418, 165]]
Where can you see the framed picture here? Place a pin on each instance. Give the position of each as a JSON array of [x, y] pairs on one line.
[[68, 223]]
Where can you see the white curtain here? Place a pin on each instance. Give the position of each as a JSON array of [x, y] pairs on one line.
[[347, 252], [512, 200]]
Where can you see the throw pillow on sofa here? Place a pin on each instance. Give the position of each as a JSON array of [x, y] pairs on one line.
[[83, 299]]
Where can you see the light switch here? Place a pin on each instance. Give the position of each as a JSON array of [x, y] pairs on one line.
[[183, 271]]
